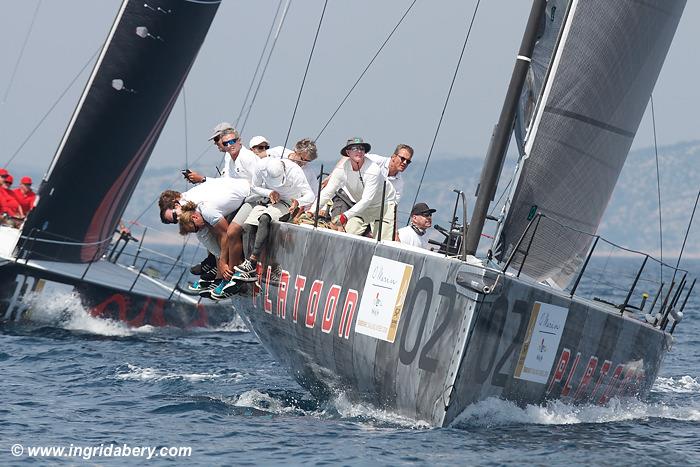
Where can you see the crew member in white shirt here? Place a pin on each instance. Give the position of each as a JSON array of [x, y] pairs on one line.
[[392, 168], [416, 232], [195, 177], [284, 184], [362, 180], [204, 209]]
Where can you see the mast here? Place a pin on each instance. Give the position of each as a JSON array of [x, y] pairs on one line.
[[501, 136]]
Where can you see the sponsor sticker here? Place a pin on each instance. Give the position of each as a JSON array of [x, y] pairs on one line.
[[383, 298], [541, 342]]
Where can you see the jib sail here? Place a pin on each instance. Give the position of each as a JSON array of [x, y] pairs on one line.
[[131, 91], [605, 64]]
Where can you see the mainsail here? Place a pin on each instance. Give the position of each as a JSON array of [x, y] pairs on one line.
[[133, 87], [607, 58]]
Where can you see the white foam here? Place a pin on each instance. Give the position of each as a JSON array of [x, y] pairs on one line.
[[685, 385], [262, 401], [235, 325], [136, 373], [65, 310], [495, 412], [349, 409]]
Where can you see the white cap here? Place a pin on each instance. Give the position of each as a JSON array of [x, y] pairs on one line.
[[272, 171], [219, 128], [255, 140]]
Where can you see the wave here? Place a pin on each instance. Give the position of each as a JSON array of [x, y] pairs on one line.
[[683, 385], [235, 325], [65, 310], [136, 373], [497, 412]]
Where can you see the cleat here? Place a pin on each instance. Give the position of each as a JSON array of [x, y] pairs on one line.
[[246, 266], [245, 276]]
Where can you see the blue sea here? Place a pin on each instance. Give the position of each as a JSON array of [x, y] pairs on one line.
[[95, 387]]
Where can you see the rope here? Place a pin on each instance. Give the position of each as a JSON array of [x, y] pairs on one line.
[[365, 70], [658, 187], [257, 67], [447, 99], [51, 108], [267, 62], [21, 53], [308, 63]]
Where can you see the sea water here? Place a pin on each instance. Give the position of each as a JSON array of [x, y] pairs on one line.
[[97, 388]]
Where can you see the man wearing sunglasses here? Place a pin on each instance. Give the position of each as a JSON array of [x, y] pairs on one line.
[[195, 177], [415, 233], [361, 180]]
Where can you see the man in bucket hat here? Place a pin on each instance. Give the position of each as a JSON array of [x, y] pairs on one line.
[[362, 181], [421, 220]]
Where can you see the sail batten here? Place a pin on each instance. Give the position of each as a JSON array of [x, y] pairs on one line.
[[575, 140], [135, 83]]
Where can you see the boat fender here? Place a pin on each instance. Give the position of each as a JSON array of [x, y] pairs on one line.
[[677, 315]]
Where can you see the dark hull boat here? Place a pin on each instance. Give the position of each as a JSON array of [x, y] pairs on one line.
[[454, 332], [425, 335], [126, 102]]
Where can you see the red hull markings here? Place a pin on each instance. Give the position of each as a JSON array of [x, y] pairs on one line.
[[312, 304], [607, 384]]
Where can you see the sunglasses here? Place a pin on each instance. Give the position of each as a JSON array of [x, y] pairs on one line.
[[174, 213], [403, 159], [261, 147], [230, 142]]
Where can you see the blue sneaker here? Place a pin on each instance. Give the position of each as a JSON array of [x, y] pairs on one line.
[[245, 276], [199, 284], [225, 289]]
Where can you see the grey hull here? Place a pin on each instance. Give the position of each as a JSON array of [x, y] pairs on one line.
[[463, 333]]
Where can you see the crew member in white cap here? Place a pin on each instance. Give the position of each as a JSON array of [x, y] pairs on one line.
[[259, 145], [415, 233]]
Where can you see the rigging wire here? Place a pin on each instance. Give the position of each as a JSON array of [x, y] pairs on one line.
[[365, 70], [447, 99], [306, 71], [184, 108], [21, 53], [92, 58], [658, 187], [257, 67], [690, 223], [267, 62]]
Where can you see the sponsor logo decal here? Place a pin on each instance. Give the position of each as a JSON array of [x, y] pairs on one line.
[[539, 349], [383, 298]]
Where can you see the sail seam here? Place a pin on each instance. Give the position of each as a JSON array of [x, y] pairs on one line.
[[588, 120]]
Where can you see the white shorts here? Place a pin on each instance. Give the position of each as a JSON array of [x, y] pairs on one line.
[[242, 213], [275, 211]]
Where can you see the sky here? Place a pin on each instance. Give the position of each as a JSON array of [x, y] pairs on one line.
[[399, 100]]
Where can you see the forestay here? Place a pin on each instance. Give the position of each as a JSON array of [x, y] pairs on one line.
[[606, 61]]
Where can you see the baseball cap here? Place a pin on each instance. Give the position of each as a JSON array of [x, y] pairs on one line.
[[219, 128], [272, 170], [26, 181], [421, 208], [4, 173], [255, 140]]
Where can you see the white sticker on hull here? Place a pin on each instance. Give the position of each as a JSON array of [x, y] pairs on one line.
[[383, 298], [541, 342]]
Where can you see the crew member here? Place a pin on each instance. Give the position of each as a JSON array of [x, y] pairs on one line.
[[415, 233]]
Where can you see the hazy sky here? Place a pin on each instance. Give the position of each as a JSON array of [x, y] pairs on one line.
[[400, 99]]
